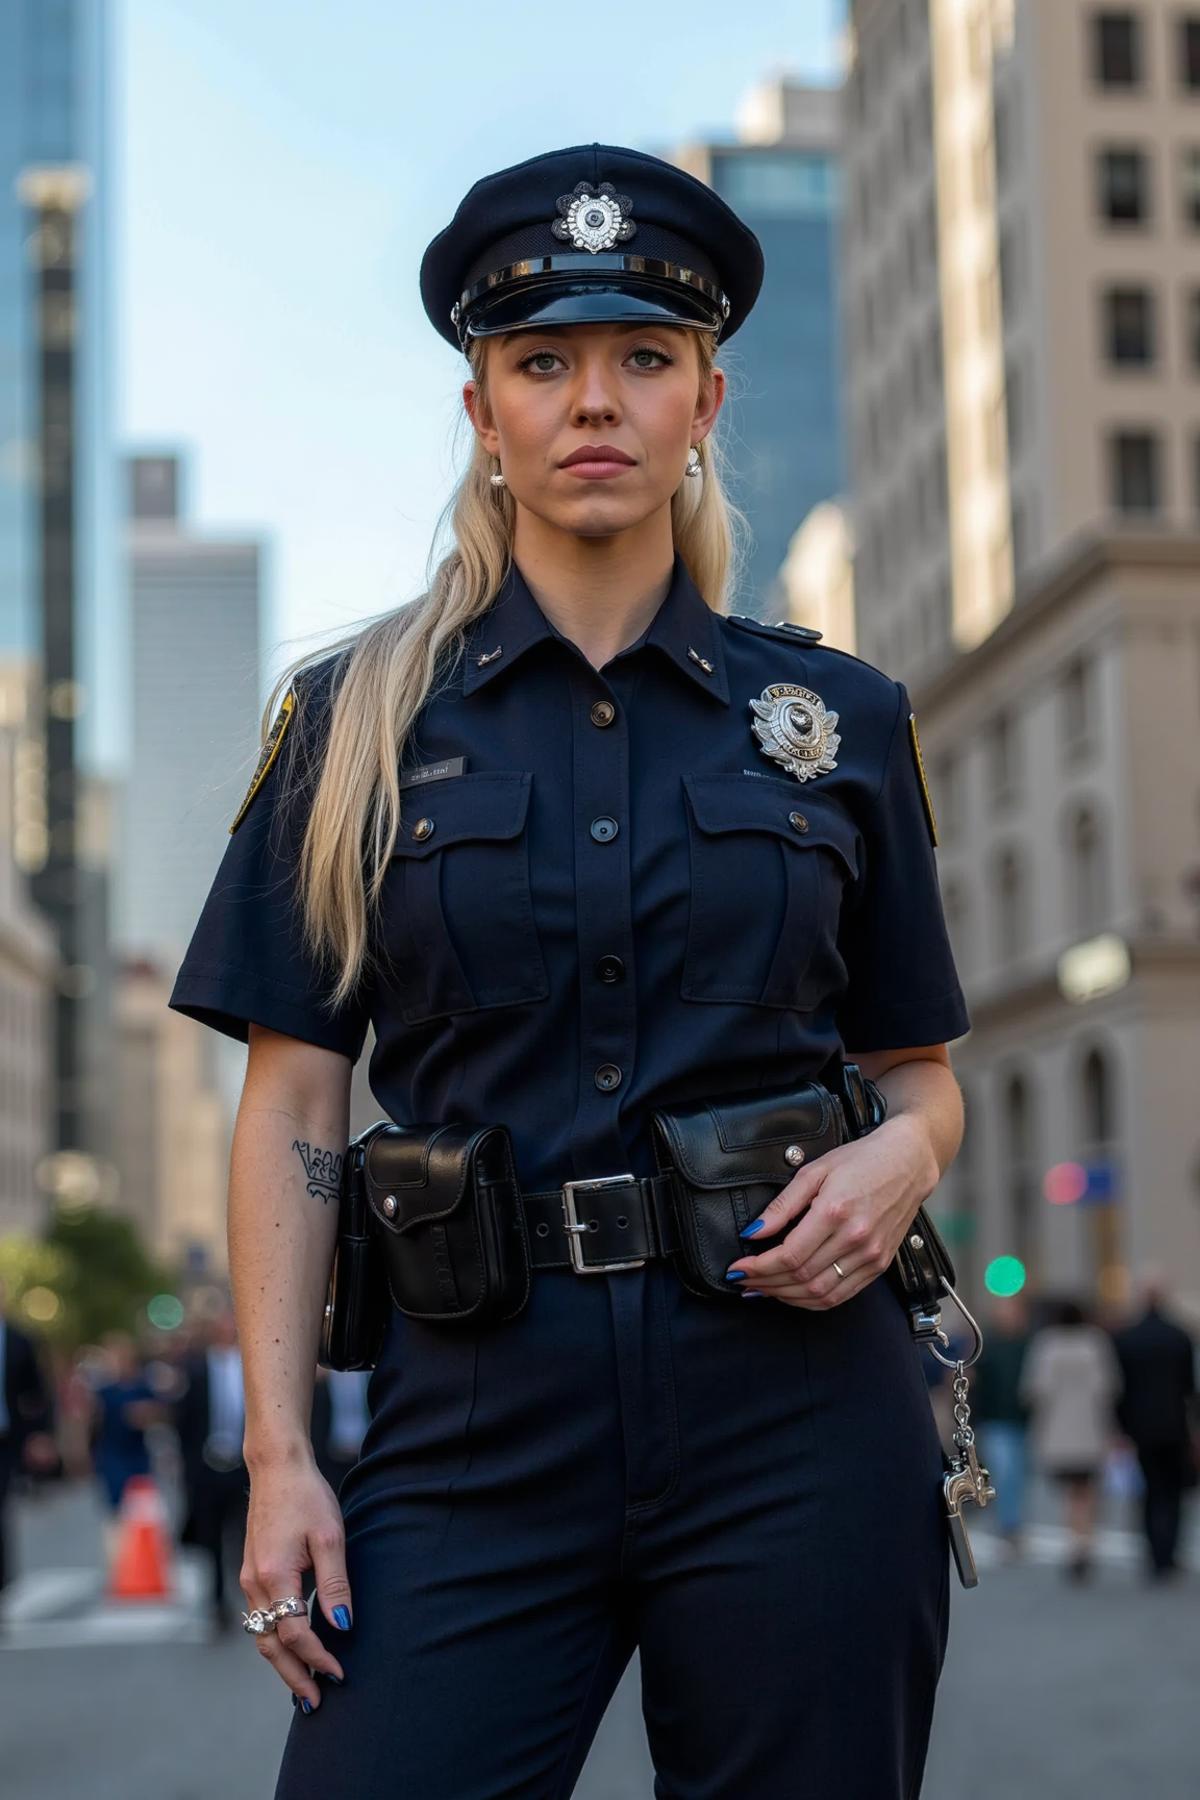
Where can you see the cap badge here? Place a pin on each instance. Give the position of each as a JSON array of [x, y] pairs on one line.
[[594, 221], [793, 728]]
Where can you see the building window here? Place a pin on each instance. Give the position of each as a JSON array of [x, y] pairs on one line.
[[1193, 328], [1129, 326], [947, 776], [1076, 704], [1189, 178], [1116, 49], [1001, 758], [1097, 1105], [1135, 472], [1189, 52], [1022, 1172], [1011, 902], [1087, 873], [1124, 195]]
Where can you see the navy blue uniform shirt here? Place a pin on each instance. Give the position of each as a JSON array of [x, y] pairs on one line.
[[617, 900]]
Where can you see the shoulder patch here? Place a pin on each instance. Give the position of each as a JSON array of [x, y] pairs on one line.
[[270, 751], [915, 744], [805, 634]]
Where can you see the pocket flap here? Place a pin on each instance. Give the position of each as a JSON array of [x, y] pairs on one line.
[[761, 803], [423, 1169], [742, 1140], [491, 804]]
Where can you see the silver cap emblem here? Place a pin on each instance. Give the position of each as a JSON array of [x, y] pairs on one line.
[[594, 221], [793, 728]]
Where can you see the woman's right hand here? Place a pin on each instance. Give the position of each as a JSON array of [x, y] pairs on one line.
[[294, 1523]]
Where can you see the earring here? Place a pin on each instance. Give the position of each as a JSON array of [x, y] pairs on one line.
[[694, 466], [497, 477]]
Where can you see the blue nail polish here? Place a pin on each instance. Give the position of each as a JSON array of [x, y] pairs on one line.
[[751, 1229], [306, 1705], [330, 1676], [735, 1274], [341, 1617], [751, 1294]]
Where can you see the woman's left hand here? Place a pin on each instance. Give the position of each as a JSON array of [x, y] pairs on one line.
[[854, 1204]]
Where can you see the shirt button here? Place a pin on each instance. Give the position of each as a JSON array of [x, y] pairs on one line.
[[422, 828], [798, 820], [603, 712], [604, 829], [607, 1077], [610, 968]]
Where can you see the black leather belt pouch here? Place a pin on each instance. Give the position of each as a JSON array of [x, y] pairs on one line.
[[726, 1158], [448, 1221]]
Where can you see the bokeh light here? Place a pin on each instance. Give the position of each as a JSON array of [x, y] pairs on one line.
[[41, 1304], [1004, 1275], [165, 1312], [1065, 1183]]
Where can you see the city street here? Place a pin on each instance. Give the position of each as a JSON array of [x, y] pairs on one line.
[[1050, 1689]]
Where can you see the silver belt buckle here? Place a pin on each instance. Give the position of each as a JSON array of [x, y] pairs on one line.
[[575, 1227]]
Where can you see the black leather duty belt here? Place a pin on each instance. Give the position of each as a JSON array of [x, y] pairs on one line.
[[610, 1222]]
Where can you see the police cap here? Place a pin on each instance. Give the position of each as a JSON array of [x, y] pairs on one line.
[[592, 233]]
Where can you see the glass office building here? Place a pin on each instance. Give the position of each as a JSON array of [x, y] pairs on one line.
[[783, 423], [54, 72]]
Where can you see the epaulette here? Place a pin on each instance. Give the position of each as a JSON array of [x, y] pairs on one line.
[[805, 633]]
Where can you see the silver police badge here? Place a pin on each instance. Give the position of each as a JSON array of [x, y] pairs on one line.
[[793, 728], [594, 221]]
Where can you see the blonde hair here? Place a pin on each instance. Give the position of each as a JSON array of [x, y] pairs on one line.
[[382, 674]]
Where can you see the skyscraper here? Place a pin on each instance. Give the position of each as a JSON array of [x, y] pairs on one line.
[[783, 421]]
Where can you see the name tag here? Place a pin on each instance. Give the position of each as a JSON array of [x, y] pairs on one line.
[[435, 771]]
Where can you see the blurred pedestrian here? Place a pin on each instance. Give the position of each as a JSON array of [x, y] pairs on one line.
[[26, 1417], [210, 1421], [339, 1420], [1070, 1378], [124, 1405], [1002, 1413], [1158, 1363]]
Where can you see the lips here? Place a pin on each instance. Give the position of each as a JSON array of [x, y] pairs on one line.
[[595, 454]]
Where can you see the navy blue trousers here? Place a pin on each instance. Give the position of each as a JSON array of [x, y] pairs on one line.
[[748, 1493]]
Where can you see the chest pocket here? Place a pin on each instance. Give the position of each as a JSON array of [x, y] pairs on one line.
[[769, 867], [456, 908]]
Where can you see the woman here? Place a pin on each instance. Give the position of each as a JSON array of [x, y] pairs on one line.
[[124, 1407], [1071, 1379], [598, 891]]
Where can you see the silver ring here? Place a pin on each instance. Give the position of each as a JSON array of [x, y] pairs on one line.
[[292, 1606], [837, 1265], [259, 1621]]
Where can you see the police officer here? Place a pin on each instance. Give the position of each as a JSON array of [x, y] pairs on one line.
[[577, 841]]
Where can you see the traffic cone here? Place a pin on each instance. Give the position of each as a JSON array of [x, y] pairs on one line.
[[141, 1566]]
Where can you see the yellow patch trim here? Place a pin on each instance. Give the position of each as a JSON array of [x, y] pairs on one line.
[[925, 794], [270, 751]]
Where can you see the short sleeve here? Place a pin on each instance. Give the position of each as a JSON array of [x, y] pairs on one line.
[[903, 987], [246, 959]]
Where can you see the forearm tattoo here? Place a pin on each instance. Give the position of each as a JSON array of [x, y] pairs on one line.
[[322, 1167]]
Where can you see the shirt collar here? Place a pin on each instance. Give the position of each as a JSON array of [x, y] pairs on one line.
[[684, 628]]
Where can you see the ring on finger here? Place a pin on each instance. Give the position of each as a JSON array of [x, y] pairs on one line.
[[258, 1621], [290, 1607], [837, 1265]]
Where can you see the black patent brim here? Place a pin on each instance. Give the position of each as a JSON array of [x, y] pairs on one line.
[[605, 301]]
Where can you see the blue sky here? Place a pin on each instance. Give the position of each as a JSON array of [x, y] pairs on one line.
[[280, 169]]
